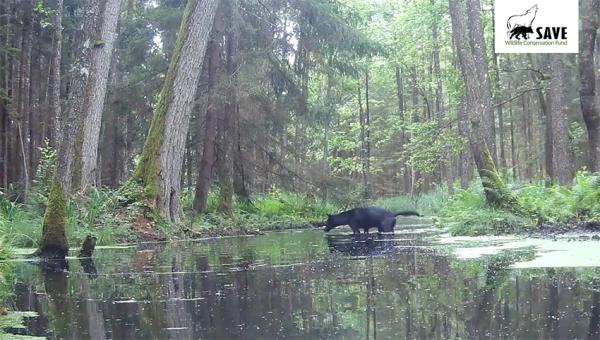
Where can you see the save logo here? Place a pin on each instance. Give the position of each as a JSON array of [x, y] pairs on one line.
[[549, 26]]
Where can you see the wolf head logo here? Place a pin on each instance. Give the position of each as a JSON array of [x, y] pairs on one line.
[[520, 24]]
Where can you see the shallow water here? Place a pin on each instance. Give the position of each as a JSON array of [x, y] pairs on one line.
[[416, 283]]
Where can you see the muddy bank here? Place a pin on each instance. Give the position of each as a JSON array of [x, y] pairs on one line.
[[580, 231]]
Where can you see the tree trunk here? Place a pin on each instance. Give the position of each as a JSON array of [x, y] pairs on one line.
[[368, 189], [513, 151], [478, 48], [23, 101], [547, 118], [225, 164], [159, 170], [99, 72], [478, 105], [4, 34], [400, 94], [562, 164], [54, 77], [465, 157], [590, 20], [207, 161], [239, 170], [363, 140], [497, 99], [35, 117], [54, 241]]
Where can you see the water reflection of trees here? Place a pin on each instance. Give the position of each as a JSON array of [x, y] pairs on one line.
[[310, 288]]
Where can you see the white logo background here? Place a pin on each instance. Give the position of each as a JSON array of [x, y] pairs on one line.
[[551, 13]]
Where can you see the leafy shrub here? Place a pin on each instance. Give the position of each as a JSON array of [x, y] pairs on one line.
[[467, 213]]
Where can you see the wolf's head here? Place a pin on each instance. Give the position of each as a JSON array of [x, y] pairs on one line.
[[330, 224], [533, 9]]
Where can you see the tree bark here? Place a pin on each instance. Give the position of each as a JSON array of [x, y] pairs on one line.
[[400, 94], [478, 105], [465, 157], [207, 161], [54, 77], [363, 140], [478, 47], [590, 20], [368, 189], [23, 99], [159, 170], [225, 158], [497, 97], [99, 72], [562, 165], [54, 241]]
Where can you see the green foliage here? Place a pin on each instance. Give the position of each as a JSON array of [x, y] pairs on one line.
[[8, 319], [468, 214], [43, 176], [6, 268], [429, 204], [17, 226], [44, 13], [562, 205], [430, 145], [15, 320], [272, 211]]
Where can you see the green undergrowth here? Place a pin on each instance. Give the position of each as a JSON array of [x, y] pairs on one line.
[[21, 223], [428, 204], [548, 206], [275, 210], [97, 214]]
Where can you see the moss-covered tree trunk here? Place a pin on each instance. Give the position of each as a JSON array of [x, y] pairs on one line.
[[159, 170], [477, 104], [54, 240]]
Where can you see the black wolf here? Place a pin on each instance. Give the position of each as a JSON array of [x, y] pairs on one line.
[[367, 218], [521, 31]]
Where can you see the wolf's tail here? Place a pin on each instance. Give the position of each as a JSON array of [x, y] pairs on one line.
[[407, 213]]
